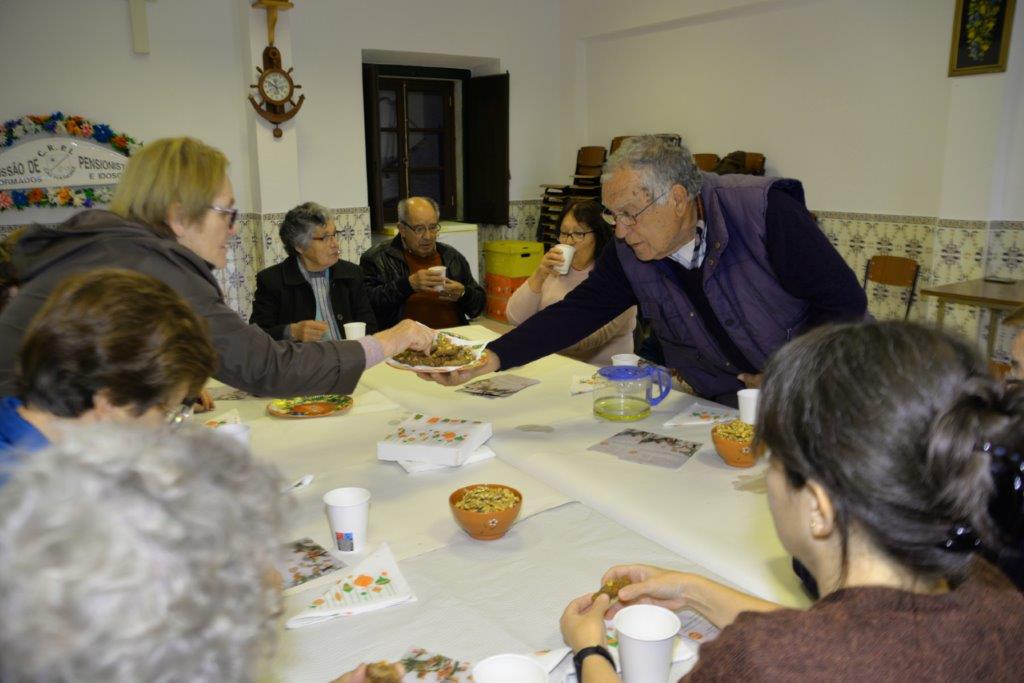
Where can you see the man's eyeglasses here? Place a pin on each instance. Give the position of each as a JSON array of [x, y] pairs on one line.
[[627, 219], [328, 236], [422, 230], [574, 236], [182, 413], [232, 214]]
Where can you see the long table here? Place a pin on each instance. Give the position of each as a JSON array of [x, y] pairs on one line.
[[582, 512]]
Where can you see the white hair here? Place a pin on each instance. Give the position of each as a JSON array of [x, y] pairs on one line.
[[660, 162], [137, 555], [403, 208]]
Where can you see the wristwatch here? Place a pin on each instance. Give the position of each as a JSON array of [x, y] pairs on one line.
[[577, 659]]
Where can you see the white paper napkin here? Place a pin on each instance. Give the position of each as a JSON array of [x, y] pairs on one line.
[[413, 467], [373, 584], [699, 413]]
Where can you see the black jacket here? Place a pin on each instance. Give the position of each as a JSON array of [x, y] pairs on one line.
[[387, 281], [284, 297]]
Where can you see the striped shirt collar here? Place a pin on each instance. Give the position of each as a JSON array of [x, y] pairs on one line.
[[691, 254]]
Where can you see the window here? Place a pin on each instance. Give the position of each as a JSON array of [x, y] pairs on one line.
[[415, 152]]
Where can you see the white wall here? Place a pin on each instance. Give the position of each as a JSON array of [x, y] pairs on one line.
[[851, 96], [328, 44], [76, 57]]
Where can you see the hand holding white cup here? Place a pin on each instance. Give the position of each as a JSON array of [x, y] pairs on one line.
[[568, 251], [440, 270]]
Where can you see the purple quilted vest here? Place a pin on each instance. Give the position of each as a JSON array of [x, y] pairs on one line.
[[741, 287]]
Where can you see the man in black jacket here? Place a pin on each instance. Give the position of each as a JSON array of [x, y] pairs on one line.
[[414, 276]]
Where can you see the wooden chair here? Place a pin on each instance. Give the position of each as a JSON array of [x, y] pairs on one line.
[[706, 162], [895, 271], [754, 163]]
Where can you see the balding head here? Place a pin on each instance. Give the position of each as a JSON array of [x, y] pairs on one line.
[[417, 224]]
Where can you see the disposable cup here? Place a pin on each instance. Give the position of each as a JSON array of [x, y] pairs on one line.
[[748, 404], [567, 253], [354, 330], [625, 359], [440, 270], [647, 635], [347, 512], [509, 669], [238, 432]]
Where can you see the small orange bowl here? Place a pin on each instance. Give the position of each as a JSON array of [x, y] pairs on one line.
[[734, 453], [485, 526]]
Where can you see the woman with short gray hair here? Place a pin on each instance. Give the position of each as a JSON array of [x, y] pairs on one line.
[[312, 294]]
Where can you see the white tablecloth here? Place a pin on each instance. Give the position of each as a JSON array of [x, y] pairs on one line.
[[480, 598]]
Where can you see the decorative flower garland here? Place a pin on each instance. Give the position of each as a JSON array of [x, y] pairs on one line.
[[71, 126]]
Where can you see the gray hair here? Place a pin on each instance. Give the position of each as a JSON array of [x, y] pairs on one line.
[[129, 554], [660, 162], [299, 224], [403, 208]]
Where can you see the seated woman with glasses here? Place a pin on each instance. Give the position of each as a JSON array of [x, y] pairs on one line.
[[172, 217], [418, 278], [894, 458], [582, 227], [109, 345], [312, 294]]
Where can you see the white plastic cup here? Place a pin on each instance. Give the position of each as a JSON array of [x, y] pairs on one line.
[[239, 432], [748, 404], [354, 330], [347, 511], [509, 669], [440, 270], [568, 251], [625, 359], [647, 634]]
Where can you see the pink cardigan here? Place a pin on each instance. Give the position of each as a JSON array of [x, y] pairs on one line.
[[599, 347]]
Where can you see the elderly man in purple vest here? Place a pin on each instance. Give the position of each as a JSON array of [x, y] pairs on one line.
[[726, 268]]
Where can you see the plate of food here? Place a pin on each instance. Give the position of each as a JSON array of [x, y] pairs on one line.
[[449, 353], [321, 405]]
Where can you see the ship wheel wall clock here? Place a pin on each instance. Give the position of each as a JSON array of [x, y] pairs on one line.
[[276, 90]]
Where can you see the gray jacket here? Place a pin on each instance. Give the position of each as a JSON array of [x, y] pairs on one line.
[[247, 357]]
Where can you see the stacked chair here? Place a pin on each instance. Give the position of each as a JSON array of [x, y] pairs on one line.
[[586, 184]]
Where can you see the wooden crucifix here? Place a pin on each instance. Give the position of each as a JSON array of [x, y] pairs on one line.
[[272, 7]]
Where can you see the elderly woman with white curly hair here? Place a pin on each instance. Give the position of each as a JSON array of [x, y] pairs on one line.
[[138, 555]]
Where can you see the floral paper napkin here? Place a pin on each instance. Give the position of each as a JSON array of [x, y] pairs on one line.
[[373, 584]]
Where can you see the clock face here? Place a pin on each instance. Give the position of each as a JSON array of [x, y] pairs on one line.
[[275, 86]]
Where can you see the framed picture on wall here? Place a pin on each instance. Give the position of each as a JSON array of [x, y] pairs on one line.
[[981, 36]]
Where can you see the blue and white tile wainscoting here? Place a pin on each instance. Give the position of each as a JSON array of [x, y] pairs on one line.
[[948, 250]]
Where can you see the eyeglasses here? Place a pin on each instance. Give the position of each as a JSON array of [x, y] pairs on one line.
[[627, 219], [422, 230], [232, 214], [182, 413], [328, 236], [574, 236]]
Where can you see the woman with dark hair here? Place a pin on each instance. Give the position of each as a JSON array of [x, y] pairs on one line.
[[895, 457], [580, 226], [311, 294]]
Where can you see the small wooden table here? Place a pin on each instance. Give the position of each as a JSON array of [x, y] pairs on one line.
[[995, 296]]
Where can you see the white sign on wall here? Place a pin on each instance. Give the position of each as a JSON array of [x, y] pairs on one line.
[[59, 161]]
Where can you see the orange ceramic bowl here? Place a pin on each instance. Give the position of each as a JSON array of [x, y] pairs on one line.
[[734, 453], [485, 526]]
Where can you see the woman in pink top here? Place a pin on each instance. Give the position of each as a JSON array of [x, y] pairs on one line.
[[582, 227]]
